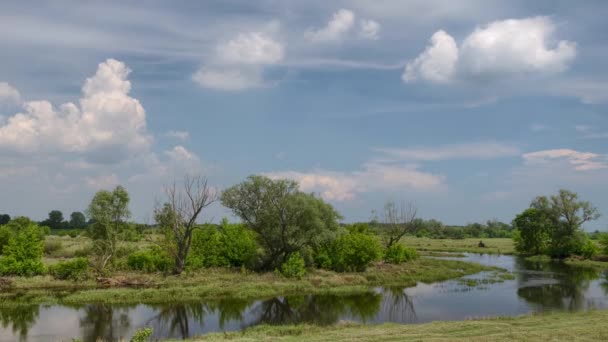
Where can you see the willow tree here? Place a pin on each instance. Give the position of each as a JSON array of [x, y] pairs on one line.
[[178, 216]]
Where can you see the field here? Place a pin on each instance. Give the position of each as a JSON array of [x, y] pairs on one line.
[[493, 246], [590, 326]]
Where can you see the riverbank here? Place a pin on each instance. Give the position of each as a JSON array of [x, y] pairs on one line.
[[587, 326], [601, 265], [492, 246], [224, 283]]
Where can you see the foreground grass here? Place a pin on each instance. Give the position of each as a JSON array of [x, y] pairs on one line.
[[221, 283], [493, 246], [589, 326]]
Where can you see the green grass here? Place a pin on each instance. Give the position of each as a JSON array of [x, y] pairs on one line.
[[222, 283], [589, 326], [493, 246]]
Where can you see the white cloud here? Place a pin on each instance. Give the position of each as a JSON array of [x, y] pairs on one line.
[[497, 50], [582, 161], [369, 29], [103, 181], [239, 63], [180, 135], [343, 186], [484, 150], [251, 48], [180, 153], [338, 26], [437, 63], [8, 93], [107, 126], [229, 78]]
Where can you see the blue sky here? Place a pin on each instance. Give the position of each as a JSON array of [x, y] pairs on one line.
[[468, 109]]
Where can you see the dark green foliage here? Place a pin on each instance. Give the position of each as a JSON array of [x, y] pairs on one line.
[[603, 239], [238, 244], [75, 269], [5, 235], [533, 231], [354, 252], [4, 219], [284, 219], [77, 220], [294, 267], [153, 260], [206, 249], [589, 250], [22, 255], [55, 220], [397, 254]]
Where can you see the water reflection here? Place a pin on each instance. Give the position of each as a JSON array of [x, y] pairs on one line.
[[538, 286]]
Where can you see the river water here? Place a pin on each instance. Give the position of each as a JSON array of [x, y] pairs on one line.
[[537, 286]]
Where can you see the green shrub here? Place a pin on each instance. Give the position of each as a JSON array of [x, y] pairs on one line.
[[22, 256], [73, 233], [294, 267], [589, 250], [238, 246], [130, 233], [5, 235], [52, 246], [142, 335], [322, 259], [206, 249], [354, 252], [154, 260], [75, 269], [397, 254], [603, 239]]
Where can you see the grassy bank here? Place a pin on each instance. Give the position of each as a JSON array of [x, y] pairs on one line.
[[493, 246], [590, 326], [219, 283], [571, 261]]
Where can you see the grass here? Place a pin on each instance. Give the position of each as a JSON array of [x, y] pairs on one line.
[[222, 283], [571, 261], [493, 246], [583, 326]]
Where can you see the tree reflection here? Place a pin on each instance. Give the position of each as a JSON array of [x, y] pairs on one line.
[[399, 305], [20, 318], [567, 292], [104, 322]]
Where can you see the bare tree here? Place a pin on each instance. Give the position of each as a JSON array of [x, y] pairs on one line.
[[178, 216], [399, 219]]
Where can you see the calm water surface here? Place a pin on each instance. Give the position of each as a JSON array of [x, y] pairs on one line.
[[537, 287]]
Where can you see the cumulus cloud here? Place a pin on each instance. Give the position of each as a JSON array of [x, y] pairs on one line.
[[338, 26], [369, 29], [239, 63], [8, 93], [498, 49], [106, 126], [343, 186], [180, 153], [102, 182], [581, 161], [483, 150], [437, 63]]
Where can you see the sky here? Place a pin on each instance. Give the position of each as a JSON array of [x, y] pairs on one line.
[[468, 109]]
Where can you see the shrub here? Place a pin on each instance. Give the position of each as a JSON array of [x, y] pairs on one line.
[[142, 335], [22, 256], [294, 267], [589, 250], [206, 249], [354, 252], [130, 233], [52, 246], [397, 254], [603, 238], [154, 260], [238, 246], [73, 233], [75, 269], [5, 235]]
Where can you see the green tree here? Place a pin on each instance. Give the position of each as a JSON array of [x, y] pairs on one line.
[[77, 220], [109, 210], [178, 216], [4, 219], [285, 219], [55, 220], [22, 255], [534, 228]]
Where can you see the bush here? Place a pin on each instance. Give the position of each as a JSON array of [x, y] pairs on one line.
[[22, 256], [5, 235], [238, 244], [603, 238], [589, 250], [354, 252], [130, 233], [75, 269], [206, 249], [154, 260], [294, 267], [397, 254]]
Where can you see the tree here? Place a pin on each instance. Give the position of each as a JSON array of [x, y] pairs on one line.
[[77, 220], [178, 216], [285, 219], [22, 255], [534, 226], [55, 220], [4, 219], [564, 214], [109, 211], [398, 220]]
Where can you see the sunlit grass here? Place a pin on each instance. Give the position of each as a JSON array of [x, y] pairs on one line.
[[493, 246]]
